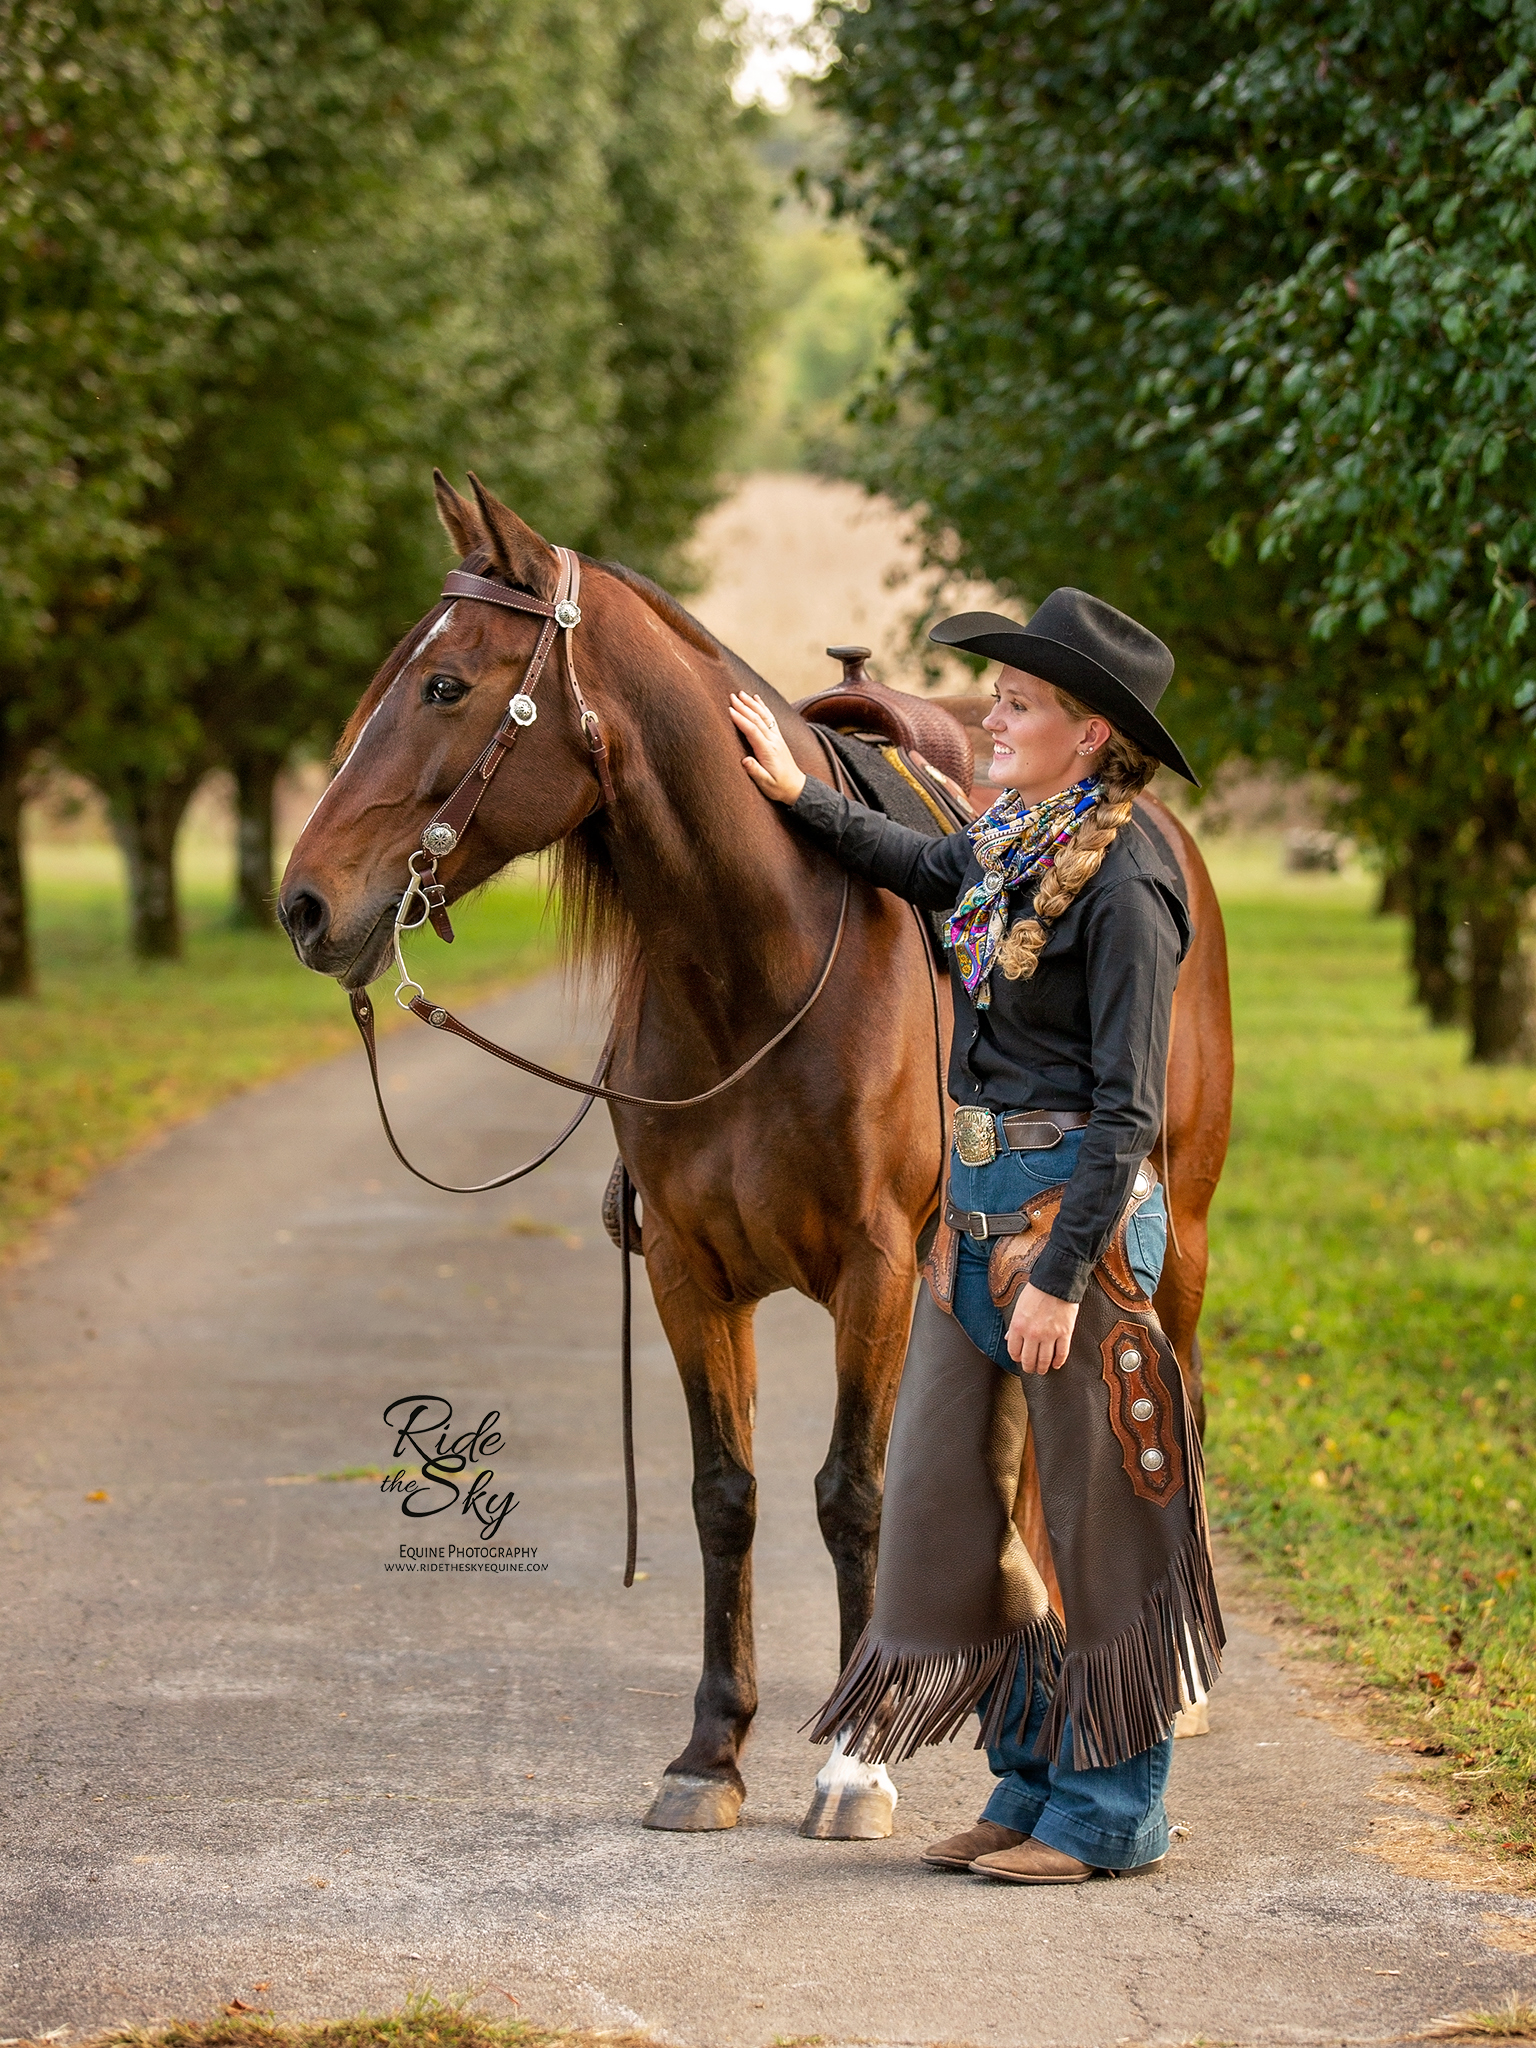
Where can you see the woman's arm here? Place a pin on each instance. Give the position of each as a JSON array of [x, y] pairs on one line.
[[925, 871], [1132, 945]]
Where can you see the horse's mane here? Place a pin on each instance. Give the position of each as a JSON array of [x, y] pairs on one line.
[[597, 930], [683, 623]]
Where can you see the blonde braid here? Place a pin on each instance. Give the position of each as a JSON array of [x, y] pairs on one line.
[[1126, 770]]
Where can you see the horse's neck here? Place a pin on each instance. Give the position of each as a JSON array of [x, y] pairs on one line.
[[726, 899]]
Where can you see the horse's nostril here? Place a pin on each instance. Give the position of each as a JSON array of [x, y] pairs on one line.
[[306, 916]]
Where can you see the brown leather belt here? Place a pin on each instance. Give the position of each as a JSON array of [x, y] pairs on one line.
[[981, 1224], [977, 1223], [1023, 1130]]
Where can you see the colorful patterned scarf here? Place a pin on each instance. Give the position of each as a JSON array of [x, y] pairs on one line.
[[1014, 842]]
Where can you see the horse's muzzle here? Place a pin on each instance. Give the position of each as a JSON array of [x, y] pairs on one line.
[[353, 954], [306, 918]]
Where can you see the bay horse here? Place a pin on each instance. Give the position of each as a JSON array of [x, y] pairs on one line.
[[818, 1171]]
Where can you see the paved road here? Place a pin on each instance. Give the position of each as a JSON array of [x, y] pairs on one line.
[[240, 1749]]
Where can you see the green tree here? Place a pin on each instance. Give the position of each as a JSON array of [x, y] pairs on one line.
[[111, 200], [251, 550], [1374, 400], [477, 236], [685, 290], [1178, 280]]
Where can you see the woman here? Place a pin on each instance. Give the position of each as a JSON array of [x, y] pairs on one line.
[[1067, 923]]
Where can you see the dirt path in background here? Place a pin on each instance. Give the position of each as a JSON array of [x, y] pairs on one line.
[[797, 565], [240, 1750]]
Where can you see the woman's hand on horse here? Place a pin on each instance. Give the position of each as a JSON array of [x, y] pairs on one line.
[[1040, 1334], [770, 764]]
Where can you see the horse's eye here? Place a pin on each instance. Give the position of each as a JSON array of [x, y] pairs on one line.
[[443, 690]]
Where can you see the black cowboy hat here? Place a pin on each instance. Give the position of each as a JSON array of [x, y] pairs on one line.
[[1087, 648]]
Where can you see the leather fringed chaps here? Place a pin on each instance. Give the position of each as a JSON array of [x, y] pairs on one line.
[[957, 1598]]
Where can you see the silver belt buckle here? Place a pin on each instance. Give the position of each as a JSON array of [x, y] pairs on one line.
[[976, 1136]]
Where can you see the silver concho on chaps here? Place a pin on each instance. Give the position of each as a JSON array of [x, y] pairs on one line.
[[958, 1600]]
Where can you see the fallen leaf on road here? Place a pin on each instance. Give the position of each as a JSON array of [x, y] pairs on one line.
[[101, 1495], [320, 1883]]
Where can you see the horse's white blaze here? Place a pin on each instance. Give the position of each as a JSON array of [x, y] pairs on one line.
[[842, 1774], [420, 648], [430, 635]]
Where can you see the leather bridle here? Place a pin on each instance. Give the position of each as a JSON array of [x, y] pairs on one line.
[[426, 897]]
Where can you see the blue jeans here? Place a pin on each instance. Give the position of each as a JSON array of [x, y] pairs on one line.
[[1112, 1818]]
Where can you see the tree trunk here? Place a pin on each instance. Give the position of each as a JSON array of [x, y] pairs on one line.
[[255, 785], [146, 817], [15, 939], [1500, 982], [1433, 932], [1396, 897], [1422, 891]]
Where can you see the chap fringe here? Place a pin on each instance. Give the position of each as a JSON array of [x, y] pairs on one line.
[[894, 1702], [1122, 1696]]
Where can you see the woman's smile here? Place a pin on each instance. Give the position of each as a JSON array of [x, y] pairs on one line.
[[1038, 746]]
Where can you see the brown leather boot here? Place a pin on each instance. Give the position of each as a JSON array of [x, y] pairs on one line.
[[1035, 1862], [959, 1852]]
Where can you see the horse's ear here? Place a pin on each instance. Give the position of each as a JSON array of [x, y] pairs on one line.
[[461, 522], [524, 555]]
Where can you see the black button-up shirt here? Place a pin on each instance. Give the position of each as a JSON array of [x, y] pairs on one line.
[[1088, 1031]]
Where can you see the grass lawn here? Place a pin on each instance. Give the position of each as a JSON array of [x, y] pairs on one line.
[[1370, 1334], [111, 1051]]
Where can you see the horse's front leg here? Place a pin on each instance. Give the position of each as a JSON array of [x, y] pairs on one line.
[[716, 1357], [854, 1801]]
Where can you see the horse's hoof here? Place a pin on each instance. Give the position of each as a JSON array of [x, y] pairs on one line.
[[849, 1813], [690, 1806], [1195, 1720]]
